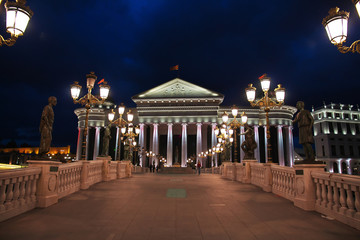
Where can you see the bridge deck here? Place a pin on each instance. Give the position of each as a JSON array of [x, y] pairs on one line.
[[154, 206]]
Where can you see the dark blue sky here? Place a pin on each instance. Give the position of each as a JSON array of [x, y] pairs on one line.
[[219, 45]]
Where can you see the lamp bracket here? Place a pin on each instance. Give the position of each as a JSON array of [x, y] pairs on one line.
[[354, 47], [9, 42]]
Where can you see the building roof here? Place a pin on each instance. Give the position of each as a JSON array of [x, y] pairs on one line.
[[177, 88]]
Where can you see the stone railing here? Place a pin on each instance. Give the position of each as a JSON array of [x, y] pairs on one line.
[[338, 196], [306, 185], [43, 183], [69, 178], [18, 191], [283, 181]]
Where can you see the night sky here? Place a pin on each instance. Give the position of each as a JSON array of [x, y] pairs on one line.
[[219, 45]]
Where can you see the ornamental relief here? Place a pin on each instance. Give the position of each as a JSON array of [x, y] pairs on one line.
[[177, 90]]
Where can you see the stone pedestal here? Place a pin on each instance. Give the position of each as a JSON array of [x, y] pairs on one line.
[[106, 167], [124, 169], [47, 185], [267, 187], [247, 173], [305, 186]]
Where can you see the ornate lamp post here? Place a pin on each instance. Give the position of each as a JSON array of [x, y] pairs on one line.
[[336, 26], [17, 18], [234, 124], [120, 122], [130, 133], [228, 129], [266, 103], [88, 100]]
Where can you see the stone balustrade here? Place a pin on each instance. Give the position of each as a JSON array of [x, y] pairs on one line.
[[283, 181], [306, 185], [338, 196], [18, 191], [43, 183], [69, 178]]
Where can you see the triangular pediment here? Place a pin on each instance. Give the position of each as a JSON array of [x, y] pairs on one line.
[[177, 88]]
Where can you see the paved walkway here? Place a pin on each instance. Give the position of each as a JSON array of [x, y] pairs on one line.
[[151, 206]]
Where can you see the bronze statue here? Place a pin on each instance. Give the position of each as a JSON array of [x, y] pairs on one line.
[[106, 141], [305, 123], [46, 125], [249, 145], [126, 151]]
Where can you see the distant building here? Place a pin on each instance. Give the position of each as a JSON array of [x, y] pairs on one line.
[[337, 137], [177, 120], [35, 150]]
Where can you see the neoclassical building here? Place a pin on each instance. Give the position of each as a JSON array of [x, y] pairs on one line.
[[177, 120], [336, 135]]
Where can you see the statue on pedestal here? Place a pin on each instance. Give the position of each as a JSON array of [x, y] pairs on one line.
[[106, 141], [249, 145], [126, 151], [46, 126], [305, 123]]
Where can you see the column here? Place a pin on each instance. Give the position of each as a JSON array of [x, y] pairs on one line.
[[290, 145], [198, 142], [96, 142], [242, 139], [265, 143], [280, 146], [155, 146], [213, 143], [142, 144], [257, 150], [169, 145], [183, 145], [117, 145], [79, 143], [87, 144]]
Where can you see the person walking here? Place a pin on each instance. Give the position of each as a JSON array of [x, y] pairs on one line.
[[199, 167]]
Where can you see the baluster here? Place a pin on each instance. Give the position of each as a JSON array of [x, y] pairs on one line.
[[22, 191], [350, 201], [9, 195], [33, 188], [323, 193], [336, 205], [28, 189], [357, 200], [342, 199], [2, 195], [329, 196], [16, 192], [318, 191]]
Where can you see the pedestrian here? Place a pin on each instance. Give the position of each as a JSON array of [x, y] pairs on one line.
[[150, 167], [199, 167]]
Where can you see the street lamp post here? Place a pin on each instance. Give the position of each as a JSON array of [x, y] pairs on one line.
[[336, 26], [120, 122], [266, 103], [228, 129], [17, 18], [88, 100], [130, 133], [235, 125]]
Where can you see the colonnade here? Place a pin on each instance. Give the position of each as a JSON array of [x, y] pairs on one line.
[[201, 145]]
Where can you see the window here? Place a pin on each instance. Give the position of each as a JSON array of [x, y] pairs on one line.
[[351, 151], [321, 131], [328, 115], [337, 115], [355, 117], [346, 115], [323, 150], [333, 150], [342, 150]]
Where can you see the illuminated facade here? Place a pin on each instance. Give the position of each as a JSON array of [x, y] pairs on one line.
[[337, 137], [35, 150], [177, 121]]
